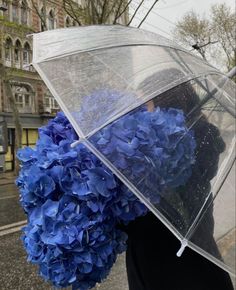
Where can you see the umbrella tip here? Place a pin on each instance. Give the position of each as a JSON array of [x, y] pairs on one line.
[[74, 144], [184, 244]]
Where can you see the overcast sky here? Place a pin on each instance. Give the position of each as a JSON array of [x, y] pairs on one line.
[[173, 10]]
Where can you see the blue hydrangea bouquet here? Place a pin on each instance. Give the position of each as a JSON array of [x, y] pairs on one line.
[[75, 204]]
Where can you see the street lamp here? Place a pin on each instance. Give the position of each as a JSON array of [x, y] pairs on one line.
[[3, 6]]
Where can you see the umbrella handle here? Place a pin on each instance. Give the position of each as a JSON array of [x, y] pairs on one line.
[[184, 244]]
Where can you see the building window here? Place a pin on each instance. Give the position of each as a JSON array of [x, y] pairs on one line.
[[5, 5], [67, 24], [50, 104], [26, 54], [17, 54], [19, 100], [8, 51], [29, 137], [47, 102], [51, 20], [24, 13], [24, 98], [15, 12], [27, 100]]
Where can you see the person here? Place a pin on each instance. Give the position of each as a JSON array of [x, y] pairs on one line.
[[151, 259]]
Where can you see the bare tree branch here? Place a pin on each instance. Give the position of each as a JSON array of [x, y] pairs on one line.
[[70, 10], [95, 13], [42, 16], [199, 48], [123, 11], [110, 11], [196, 46], [104, 8], [118, 11]]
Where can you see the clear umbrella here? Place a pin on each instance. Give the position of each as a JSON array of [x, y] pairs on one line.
[[159, 117]]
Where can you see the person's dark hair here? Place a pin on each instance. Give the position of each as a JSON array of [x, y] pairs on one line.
[[182, 96]]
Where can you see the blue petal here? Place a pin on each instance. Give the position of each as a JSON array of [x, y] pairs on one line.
[[50, 208]]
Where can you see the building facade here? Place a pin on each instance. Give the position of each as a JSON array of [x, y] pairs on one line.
[[35, 104]]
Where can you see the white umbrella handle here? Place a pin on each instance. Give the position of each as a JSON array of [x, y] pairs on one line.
[[184, 244]]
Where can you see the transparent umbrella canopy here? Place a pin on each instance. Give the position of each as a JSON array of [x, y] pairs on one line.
[[104, 78]]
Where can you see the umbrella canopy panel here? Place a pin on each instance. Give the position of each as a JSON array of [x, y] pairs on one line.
[[136, 64], [55, 43], [214, 234], [159, 117]]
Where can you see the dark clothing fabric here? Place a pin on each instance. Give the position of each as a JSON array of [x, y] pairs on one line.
[[152, 263]]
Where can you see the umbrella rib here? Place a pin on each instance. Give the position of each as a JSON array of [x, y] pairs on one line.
[[59, 100]]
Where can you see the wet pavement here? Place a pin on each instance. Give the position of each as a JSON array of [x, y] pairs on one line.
[[17, 274], [10, 210]]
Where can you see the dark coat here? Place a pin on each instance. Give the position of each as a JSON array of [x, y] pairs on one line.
[[152, 263]]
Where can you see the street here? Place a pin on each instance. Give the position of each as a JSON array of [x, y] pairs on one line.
[[9, 203]]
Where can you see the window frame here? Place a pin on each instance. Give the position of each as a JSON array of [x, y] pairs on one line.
[[24, 11], [26, 54], [15, 12], [24, 97], [8, 51], [51, 20]]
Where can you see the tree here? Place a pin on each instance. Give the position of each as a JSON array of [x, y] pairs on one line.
[[6, 76], [212, 38], [194, 31], [224, 30]]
